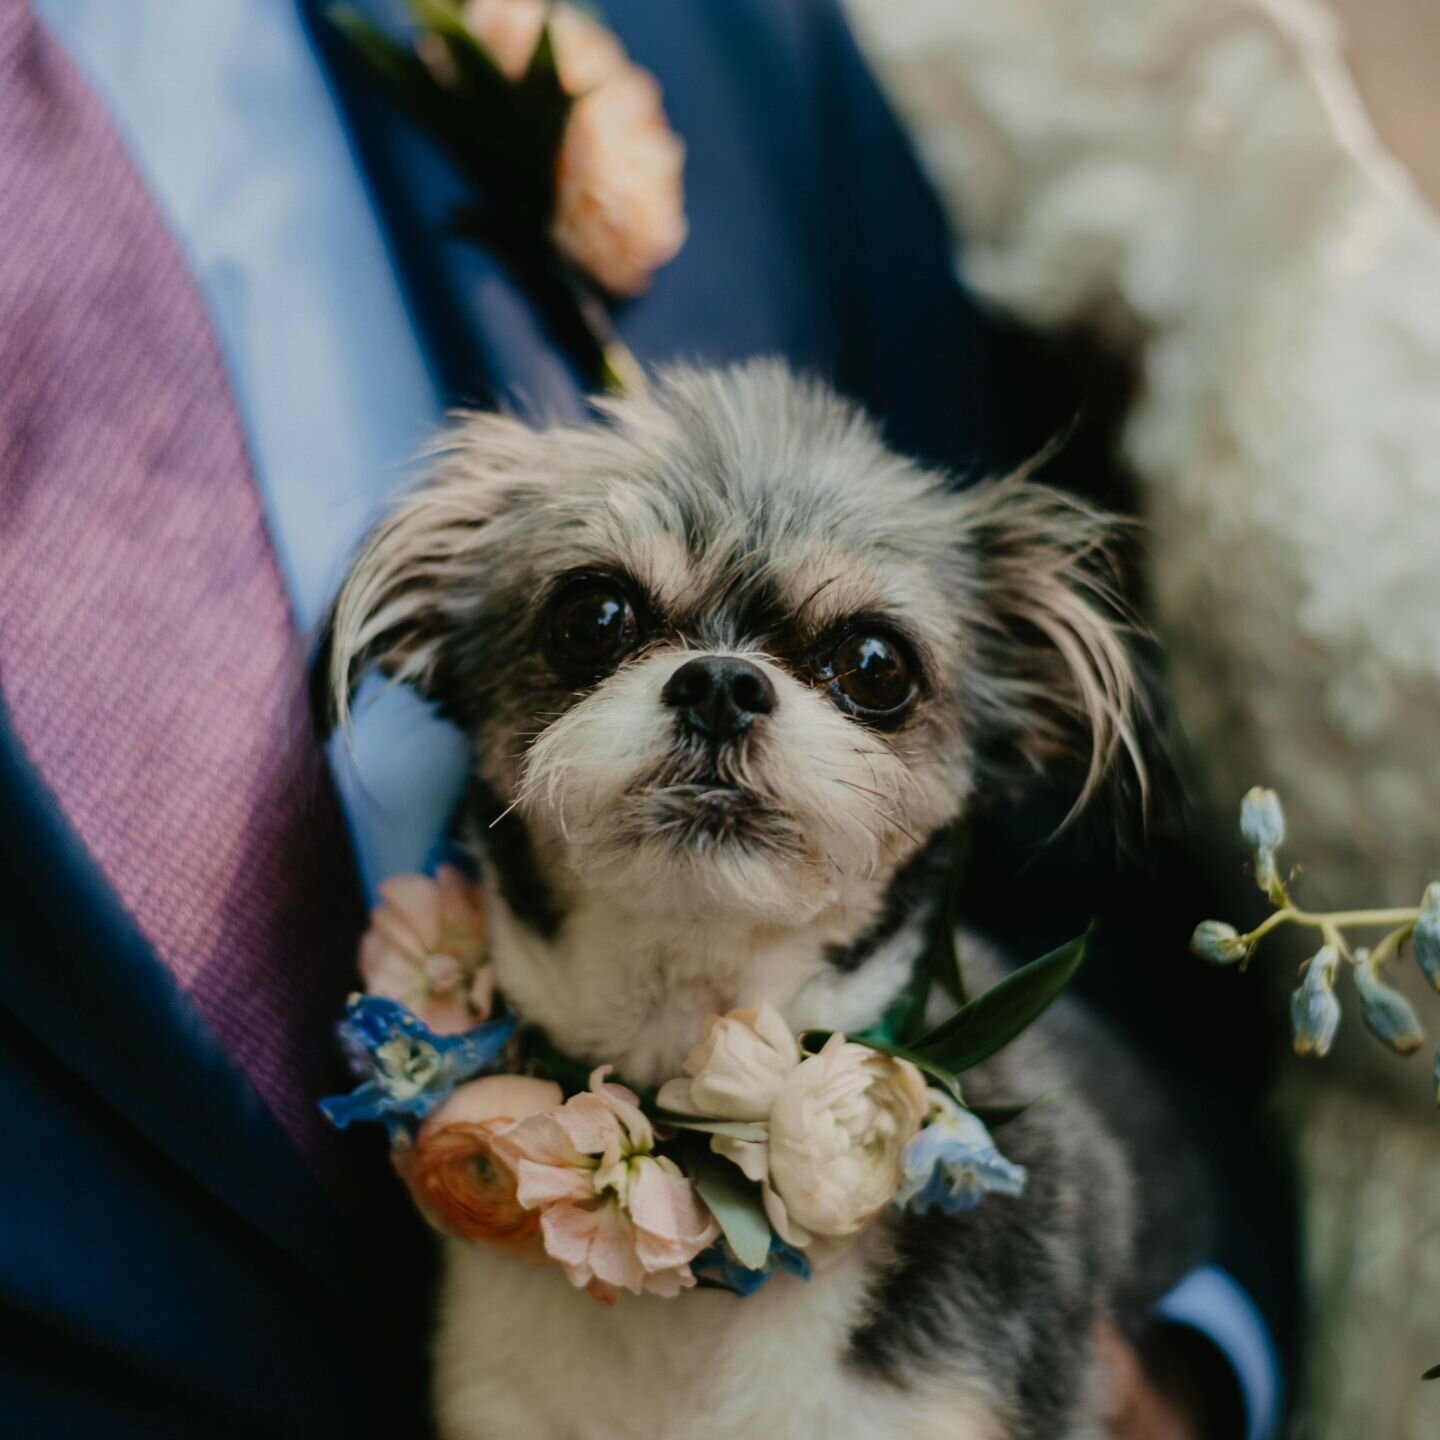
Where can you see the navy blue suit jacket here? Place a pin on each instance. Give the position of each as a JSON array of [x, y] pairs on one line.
[[168, 1264]]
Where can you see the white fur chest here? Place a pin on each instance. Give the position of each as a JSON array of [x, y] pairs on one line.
[[520, 1354], [635, 988]]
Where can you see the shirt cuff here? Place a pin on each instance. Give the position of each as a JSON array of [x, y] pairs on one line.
[[1211, 1303]]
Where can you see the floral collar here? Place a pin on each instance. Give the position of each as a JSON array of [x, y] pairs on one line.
[[770, 1153]]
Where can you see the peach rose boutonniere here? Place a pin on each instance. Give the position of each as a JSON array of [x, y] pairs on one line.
[[578, 177]]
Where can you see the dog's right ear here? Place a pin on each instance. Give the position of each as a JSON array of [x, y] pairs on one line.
[[416, 582]]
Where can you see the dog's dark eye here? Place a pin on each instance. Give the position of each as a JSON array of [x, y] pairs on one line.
[[592, 624], [874, 674]]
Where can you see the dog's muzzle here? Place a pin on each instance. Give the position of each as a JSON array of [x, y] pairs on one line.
[[718, 698]]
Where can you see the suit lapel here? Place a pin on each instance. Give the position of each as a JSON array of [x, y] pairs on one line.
[[90, 988]]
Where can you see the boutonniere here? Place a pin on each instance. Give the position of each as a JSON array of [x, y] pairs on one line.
[[577, 177], [771, 1153]]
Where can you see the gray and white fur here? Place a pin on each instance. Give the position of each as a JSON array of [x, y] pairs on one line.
[[682, 808]]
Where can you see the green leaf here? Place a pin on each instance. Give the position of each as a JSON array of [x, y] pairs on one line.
[[1433, 1373], [442, 16], [395, 66], [945, 962], [812, 1040], [939, 964], [736, 1205], [542, 62], [403, 76], [991, 1021], [734, 1129], [1002, 1112]]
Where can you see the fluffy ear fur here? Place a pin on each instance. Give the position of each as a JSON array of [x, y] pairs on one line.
[[413, 585], [1057, 678]]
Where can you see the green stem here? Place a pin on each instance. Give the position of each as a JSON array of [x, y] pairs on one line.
[[1387, 947], [620, 372], [1331, 921], [1363, 918]]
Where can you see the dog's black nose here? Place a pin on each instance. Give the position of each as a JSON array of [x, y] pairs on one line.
[[718, 697]]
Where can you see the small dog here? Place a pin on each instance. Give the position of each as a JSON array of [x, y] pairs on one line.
[[734, 673]]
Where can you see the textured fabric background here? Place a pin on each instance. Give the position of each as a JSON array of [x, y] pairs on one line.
[[1201, 189]]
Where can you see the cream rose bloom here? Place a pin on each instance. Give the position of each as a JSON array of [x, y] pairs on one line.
[[838, 1132], [737, 1071]]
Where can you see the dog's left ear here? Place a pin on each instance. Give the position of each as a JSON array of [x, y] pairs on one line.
[[1055, 675], [417, 579]]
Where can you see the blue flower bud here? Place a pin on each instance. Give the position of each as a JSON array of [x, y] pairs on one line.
[[1426, 938], [1262, 821], [1314, 1010], [1262, 828], [1217, 942], [1387, 1014], [1266, 874]]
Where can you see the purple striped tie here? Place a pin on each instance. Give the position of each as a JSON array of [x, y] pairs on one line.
[[147, 650]]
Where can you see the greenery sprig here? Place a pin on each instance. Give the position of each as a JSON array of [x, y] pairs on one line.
[[1315, 1008]]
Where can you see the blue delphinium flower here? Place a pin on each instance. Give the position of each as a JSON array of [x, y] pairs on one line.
[[1262, 827], [953, 1163], [1426, 939], [1314, 1009], [719, 1264], [1262, 820], [1217, 942], [1386, 1012], [408, 1069]]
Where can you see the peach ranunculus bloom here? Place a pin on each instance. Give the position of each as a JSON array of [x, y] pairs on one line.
[[427, 946], [737, 1071], [615, 1215], [458, 1182], [619, 178]]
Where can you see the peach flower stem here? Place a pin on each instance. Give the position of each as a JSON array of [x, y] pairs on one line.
[[619, 371]]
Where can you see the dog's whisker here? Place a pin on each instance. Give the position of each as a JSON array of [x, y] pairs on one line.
[[506, 811]]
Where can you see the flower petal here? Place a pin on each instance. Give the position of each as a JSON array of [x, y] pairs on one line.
[[674, 1226], [411, 912], [542, 1186], [464, 929], [612, 1255], [752, 1156], [386, 972], [445, 1014]]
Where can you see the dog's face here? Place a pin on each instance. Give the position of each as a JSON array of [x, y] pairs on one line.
[[726, 652]]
